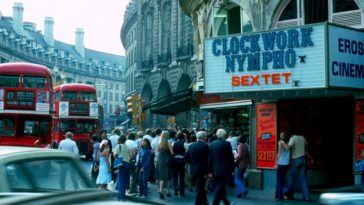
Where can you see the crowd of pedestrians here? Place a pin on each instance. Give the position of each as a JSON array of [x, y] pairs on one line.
[[173, 158]]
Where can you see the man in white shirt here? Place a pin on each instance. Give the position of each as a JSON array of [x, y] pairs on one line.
[[298, 145], [68, 145], [133, 146]]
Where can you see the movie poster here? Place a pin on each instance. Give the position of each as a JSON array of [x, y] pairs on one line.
[[266, 135]]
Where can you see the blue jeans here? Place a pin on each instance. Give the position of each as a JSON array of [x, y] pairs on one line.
[[143, 181], [281, 178], [240, 188], [298, 167], [123, 180]]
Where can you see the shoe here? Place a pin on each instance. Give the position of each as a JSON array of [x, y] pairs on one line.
[[161, 195], [191, 190], [175, 194], [169, 195], [143, 197], [306, 199], [239, 196], [288, 195]]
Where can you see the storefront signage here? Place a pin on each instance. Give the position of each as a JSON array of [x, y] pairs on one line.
[[266, 135], [359, 128], [346, 59], [279, 59]]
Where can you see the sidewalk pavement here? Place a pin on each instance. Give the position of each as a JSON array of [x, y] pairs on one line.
[[254, 197]]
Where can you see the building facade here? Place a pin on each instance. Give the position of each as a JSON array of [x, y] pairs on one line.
[[160, 65], [20, 41], [293, 65]]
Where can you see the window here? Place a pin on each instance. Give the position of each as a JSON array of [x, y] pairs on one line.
[[290, 12], [116, 96], [85, 126], [99, 94], [35, 174], [7, 126], [341, 6], [87, 96], [34, 82], [68, 125], [316, 11], [110, 95], [69, 96], [11, 81]]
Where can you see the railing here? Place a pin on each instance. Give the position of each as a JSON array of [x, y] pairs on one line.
[[164, 59], [184, 52]]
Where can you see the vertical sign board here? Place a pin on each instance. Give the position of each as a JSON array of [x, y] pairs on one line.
[[285, 59], [359, 128], [266, 135], [346, 57]]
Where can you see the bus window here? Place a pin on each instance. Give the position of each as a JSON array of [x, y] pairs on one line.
[[84, 127], [7, 126], [11, 81], [69, 96], [29, 128], [68, 125], [34, 82], [87, 97]]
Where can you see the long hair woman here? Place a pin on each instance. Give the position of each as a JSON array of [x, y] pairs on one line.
[[165, 154]]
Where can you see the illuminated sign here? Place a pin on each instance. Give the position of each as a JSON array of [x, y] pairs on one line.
[[272, 60], [346, 59]]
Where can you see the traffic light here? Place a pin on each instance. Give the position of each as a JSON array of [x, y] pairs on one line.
[[131, 101], [140, 107]]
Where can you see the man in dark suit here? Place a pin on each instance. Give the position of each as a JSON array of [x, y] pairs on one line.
[[221, 166], [197, 157]]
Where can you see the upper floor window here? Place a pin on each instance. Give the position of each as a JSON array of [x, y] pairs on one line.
[[230, 21]]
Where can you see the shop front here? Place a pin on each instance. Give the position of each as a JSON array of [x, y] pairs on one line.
[[309, 78]]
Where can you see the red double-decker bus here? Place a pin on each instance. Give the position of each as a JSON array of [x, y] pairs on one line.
[[76, 110], [25, 111]]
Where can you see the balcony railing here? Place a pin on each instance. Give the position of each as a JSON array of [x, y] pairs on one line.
[[147, 64], [164, 59], [184, 52]]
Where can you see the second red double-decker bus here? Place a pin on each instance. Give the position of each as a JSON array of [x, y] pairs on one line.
[[76, 110], [25, 115]]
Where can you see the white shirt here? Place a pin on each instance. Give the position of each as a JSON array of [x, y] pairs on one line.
[[154, 144], [131, 144], [114, 140], [233, 141], [68, 145]]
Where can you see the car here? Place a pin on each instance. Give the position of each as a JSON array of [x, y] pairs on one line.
[[353, 195], [38, 170], [78, 197]]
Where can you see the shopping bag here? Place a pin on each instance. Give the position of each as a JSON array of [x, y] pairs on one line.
[[119, 160]]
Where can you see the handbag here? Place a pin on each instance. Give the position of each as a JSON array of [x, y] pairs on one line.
[[118, 161]]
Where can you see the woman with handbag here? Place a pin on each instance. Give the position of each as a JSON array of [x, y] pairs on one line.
[[123, 169]]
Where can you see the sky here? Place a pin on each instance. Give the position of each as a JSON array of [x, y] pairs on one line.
[[100, 19]]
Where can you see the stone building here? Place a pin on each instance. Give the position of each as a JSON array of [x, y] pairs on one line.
[[322, 99], [21, 41], [160, 65]]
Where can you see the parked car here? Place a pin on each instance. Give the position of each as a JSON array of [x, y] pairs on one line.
[[79, 197], [353, 195], [26, 169]]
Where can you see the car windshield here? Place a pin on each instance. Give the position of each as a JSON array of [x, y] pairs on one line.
[[45, 175]]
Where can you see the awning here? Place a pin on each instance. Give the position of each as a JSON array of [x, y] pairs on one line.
[[222, 105], [173, 104]]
